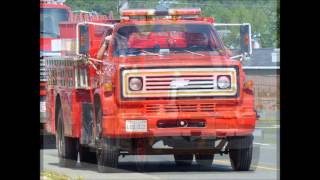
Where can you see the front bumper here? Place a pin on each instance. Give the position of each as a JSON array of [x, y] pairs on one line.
[[218, 124]]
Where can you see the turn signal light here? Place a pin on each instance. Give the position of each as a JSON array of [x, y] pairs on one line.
[[107, 87], [248, 85]]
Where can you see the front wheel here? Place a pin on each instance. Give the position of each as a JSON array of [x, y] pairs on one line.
[[240, 152], [140, 157], [107, 152], [67, 146], [107, 156]]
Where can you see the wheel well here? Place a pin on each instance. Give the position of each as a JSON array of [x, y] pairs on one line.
[[56, 110]]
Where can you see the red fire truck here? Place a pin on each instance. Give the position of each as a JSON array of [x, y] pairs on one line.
[[155, 76], [52, 12]]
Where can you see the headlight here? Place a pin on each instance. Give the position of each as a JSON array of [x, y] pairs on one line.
[[224, 82], [135, 83]]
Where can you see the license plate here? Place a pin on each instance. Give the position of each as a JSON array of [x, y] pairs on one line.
[[136, 125], [42, 106]]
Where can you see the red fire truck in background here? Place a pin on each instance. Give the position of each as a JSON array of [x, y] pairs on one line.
[[164, 76], [52, 12]]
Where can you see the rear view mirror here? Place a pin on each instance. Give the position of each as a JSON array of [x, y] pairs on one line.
[[245, 39], [84, 43], [229, 33]]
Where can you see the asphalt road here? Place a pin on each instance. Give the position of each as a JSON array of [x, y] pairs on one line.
[[265, 164]]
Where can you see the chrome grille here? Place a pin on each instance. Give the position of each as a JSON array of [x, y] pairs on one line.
[[179, 82], [183, 82]]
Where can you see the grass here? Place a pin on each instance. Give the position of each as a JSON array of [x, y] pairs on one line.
[[267, 120], [50, 175]]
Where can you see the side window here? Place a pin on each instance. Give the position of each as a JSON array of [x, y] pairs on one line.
[[121, 45]]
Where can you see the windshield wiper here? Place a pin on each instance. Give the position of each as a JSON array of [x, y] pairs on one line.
[[137, 52], [193, 52], [150, 53]]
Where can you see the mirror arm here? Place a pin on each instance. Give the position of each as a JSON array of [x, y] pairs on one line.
[[241, 56], [237, 56]]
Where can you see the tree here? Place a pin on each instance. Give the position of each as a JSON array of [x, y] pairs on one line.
[[264, 16]]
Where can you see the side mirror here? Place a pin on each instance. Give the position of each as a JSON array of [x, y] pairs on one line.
[[84, 41], [245, 39]]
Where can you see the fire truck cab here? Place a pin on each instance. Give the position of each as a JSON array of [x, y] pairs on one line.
[[164, 77]]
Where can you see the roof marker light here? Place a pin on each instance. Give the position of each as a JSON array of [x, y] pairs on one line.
[[138, 12], [153, 12], [184, 11]]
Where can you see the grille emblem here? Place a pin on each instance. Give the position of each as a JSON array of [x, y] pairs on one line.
[[179, 83]]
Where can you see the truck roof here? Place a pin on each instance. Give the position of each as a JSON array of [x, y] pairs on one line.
[[163, 16], [160, 21]]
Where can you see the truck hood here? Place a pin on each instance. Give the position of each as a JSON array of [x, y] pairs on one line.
[[181, 60]]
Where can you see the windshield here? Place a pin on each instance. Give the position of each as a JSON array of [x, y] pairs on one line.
[[137, 40], [49, 21]]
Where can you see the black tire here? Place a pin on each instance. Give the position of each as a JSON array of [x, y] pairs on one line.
[[140, 158], [204, 160], [87, 156], [240, 152], [107, 152], [67, 146], [107, 156], [183, 159]]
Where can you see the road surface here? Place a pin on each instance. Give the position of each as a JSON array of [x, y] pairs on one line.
[[265, 164]]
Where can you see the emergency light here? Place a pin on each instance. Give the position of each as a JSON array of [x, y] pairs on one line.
[[154, 12]]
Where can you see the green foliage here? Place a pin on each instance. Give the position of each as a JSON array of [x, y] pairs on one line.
[[264, 16], [100, 6], [51, 175]]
